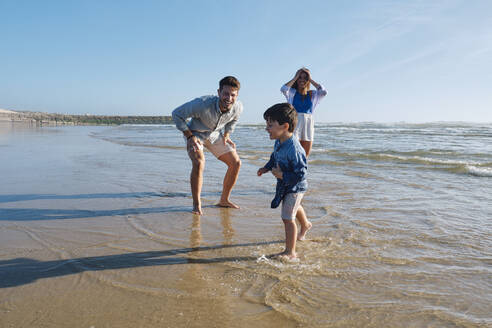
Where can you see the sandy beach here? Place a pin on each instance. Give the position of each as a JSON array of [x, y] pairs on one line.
[[96, 231]]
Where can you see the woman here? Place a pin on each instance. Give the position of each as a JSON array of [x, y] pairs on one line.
[[297, 93]]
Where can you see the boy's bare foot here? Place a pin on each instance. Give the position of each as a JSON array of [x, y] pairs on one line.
[[226, 203], [287, 257], [302, 234]]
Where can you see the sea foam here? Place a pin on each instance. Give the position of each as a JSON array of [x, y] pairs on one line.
[[479, 171]]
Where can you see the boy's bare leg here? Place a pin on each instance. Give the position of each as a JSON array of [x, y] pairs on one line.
[[304, 222], [290, 240], [231, 159], [196, 178]]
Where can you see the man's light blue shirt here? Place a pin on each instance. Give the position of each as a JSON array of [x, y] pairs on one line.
[[203, 117]]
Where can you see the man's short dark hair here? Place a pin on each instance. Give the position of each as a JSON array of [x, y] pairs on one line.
[[282, 113], [230, 81]]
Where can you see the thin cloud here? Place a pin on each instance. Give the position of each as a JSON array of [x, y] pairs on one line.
[[392, 23], [420, 56]]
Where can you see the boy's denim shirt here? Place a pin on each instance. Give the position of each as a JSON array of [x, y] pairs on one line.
[[291, 158], [203, 117]]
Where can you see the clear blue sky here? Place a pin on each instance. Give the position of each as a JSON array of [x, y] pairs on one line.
[[383, 61]]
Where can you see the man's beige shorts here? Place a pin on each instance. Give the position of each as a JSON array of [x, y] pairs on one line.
[[217, 148]]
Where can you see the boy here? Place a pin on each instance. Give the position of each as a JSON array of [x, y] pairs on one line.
[[289, 165]]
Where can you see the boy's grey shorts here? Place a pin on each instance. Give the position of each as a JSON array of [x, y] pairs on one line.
[[290, 205]]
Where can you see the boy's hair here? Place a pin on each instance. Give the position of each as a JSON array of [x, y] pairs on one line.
[[230, 81], [282, 113]]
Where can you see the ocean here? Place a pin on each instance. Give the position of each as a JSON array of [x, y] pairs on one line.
[[96, 230]]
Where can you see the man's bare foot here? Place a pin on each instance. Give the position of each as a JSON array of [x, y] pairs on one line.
[[226, 203], [197, 209], [302, 234]]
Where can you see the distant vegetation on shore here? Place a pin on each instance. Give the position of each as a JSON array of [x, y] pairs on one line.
[[49, 118]]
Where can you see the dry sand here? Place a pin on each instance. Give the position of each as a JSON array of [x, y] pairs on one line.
[[5, 114], [6, 111]]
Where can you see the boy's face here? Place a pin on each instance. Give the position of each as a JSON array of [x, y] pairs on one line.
[[275, 130]]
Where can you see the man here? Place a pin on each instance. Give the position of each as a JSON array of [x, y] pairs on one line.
[[209, 116]]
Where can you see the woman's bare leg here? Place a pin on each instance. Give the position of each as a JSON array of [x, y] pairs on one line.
[[307, 145]]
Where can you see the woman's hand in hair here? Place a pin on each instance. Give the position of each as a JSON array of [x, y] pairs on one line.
[[305, 70]]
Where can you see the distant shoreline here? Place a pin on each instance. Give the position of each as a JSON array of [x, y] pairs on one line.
[[39, 118]]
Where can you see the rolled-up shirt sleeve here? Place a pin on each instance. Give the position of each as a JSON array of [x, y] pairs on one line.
[[321, 91], [229, 127], [319, 94], [284, 89], [288, 93], [184, 112]]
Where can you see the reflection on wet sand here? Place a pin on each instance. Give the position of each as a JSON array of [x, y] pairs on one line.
[[227, 229]]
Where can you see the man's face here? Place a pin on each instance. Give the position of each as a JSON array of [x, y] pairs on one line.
[[227, 97]]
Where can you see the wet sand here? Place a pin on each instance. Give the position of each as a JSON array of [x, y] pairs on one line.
[[98, 233]]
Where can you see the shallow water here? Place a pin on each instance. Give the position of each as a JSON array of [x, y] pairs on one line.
[[95, 230]]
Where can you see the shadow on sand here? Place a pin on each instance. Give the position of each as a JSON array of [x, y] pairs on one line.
[[37, 214], [21, 271], [135, 195], [27, 197]]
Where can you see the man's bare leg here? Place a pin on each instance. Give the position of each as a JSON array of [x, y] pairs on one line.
[[231, 159], [196, 178]]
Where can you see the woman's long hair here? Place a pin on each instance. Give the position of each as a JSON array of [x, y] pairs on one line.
[[306, 88]]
